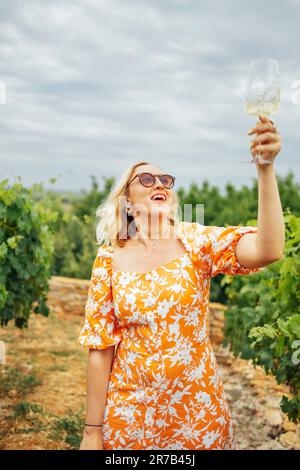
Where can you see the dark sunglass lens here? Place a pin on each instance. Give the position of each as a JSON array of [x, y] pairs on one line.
[[147, 179], [167, 181]]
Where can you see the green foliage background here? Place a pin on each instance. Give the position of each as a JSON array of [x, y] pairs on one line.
[[262, 321], [75, 242], [26, 250], [45, 233]]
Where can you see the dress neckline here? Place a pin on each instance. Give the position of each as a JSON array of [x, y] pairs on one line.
[[178, 234]]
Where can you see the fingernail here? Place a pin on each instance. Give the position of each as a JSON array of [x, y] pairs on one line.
[[249, 131]]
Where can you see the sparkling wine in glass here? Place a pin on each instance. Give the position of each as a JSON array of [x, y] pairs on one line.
[[262, 91]]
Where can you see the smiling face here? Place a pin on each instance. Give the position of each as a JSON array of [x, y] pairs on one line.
[[142, 197]]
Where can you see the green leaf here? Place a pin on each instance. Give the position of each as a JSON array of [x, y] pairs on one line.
[[293, 325], [3, 250], [284, 327]]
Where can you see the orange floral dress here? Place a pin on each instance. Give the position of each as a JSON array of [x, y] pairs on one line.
[[165, 389]]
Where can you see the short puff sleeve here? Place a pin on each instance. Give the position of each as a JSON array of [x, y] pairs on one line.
[[221, 247], [213, 248], [101, 328]]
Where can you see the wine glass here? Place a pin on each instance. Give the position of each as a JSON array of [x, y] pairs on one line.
[[262, 92]]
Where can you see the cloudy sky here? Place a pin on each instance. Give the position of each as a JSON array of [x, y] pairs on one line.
[[92, 86]]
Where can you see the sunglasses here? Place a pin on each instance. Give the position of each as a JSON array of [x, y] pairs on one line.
[[148, 180]]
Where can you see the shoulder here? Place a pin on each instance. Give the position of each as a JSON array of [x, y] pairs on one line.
[[193, 231], [103, 262], [199, 234], [195, 237], [105, 252]]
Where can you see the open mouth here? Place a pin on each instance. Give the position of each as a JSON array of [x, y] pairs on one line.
[[159, 197]]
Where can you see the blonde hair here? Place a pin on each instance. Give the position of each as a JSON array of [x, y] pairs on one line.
[[111, 210]]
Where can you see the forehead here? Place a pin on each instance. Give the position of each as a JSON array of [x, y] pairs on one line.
[[148, 168]]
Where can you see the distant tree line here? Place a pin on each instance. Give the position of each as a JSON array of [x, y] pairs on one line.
[[75, 242]]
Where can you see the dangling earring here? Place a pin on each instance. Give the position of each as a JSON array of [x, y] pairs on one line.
[[128, 207], [132, 227]]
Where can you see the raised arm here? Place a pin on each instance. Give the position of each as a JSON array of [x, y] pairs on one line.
[[267, 246]]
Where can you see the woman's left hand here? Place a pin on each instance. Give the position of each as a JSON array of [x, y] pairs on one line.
[[267, 141]]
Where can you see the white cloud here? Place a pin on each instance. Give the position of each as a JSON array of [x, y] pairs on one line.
[[95, 85]]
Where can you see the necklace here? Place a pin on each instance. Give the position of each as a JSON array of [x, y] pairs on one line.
[[154, 246]]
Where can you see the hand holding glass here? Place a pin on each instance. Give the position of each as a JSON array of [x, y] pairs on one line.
[[262, 92]]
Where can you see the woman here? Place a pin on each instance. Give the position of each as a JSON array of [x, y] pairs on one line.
[[149, 296]]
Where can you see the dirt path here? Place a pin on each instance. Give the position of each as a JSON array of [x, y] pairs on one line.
[[43, 387], [254, 401]]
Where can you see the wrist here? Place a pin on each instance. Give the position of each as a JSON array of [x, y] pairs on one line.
[[265, 167], [91, 431]]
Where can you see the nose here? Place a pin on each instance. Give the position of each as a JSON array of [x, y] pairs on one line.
[[158, 182]]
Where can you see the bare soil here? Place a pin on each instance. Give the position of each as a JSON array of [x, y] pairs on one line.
[[43, 390]]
